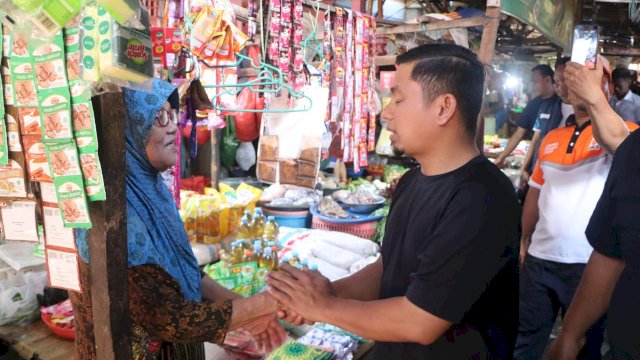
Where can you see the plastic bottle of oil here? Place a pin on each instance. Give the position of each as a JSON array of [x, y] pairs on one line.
[[257, 252], [295, 259], [271, 230], [305, 264], [266, 259], [236, 252], [248, 257], [258, 226], [244, 230]]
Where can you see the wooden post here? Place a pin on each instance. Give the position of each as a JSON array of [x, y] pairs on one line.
[[108, 238], [380, 14], [215, 157], [487, 49]]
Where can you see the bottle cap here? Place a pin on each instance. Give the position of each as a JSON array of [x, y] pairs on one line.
[[268, 251], [258, 210], [296, 254], [299, 266], [271, 218], [271, 244], [256, 216], [248, 253], [305, 262], [286, 258], [314, 267]]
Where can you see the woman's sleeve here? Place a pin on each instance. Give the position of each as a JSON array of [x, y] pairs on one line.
[[158, 305]]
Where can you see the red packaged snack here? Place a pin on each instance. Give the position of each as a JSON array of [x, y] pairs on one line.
[[37, 164]]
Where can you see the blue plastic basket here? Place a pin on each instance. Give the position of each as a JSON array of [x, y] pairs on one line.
[[292, 219]]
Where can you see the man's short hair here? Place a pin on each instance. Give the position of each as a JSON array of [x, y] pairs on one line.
[[544, 70], [562, 61], [623, 74], [449, 69]]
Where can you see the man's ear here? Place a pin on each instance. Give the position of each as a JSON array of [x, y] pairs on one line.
[[446, 106]]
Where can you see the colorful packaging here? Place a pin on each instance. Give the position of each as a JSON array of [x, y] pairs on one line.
[[73, 203], [63, 159], [125, 12], [92, 175], [7, 83], [18, 46], [36, 158], [13, 129], [125, 53], [89, 51], [6, 41], [12, 182], [72, 50], [55, 110], [49, 64], [30, 123], [24, 84], [84, 125]]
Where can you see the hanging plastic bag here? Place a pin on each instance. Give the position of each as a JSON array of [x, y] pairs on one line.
[[246, 155], [229, 144], [247, 128], [18, 297]]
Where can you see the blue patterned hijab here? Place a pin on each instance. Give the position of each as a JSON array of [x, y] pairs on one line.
[[155, 232]]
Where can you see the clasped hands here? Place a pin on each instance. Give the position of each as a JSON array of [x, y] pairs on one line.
[[302, 297]]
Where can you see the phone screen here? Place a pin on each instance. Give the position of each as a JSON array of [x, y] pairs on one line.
[[585, 45]]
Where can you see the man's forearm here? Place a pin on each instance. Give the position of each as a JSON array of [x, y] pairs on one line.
[[390, 320], [513, 142], [363, 285], [528, 159], [609, 128], [593, 295], [530, 213]]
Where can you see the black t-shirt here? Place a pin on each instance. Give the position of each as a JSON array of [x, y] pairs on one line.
[[614, 231], [530, 113], [450, 247]]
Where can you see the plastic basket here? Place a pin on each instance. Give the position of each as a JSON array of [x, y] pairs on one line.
[[292, 219], [67, 334], [364, 230]]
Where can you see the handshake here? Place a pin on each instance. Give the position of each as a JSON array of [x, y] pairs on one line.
[[297, 296]]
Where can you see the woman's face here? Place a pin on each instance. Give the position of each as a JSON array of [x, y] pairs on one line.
[[161, 145]]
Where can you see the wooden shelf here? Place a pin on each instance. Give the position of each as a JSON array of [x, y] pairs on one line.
[[433, 25]]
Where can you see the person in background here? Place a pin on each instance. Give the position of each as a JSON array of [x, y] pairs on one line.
[[572, 167], [174, 307], [611, 280], [553, 114], [542, 86], [445, 286], [496, 105], [625, 102]]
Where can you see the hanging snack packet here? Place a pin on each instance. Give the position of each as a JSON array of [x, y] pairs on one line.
[[55, 111], [72, 49], [125, 53], [18, 46], [49, 64], [4, 145], [84, 125], [72, 202], [92, 175], [63, 159], [89, 52], [12, 182], [24, 85], [36, 157], [30, 123], [7, 83], [13, 129], [206, 26]]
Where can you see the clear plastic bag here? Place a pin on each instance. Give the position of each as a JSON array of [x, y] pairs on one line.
[[18, 298]]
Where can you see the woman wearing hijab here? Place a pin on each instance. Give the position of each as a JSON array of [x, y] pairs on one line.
[[173, 307]]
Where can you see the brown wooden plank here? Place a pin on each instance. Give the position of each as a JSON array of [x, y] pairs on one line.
[[433, 25], [36, 341], [108, 238]]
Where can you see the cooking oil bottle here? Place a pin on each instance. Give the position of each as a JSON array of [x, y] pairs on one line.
[[295, 259], [266, 260], [244, 230], [248, 257], [271, 230], [236, 252], [258, 226]]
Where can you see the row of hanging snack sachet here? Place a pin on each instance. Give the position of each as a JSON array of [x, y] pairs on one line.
[[42, 89]]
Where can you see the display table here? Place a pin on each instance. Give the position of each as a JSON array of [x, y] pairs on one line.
[[36, 341]]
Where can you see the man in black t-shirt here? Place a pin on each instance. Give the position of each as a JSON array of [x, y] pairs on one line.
[[445, 286]]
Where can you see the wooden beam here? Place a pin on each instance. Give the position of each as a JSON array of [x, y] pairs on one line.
[[380, 14], [434, 25], [487, 50], [615, 50], [385, 60], [108, 237]]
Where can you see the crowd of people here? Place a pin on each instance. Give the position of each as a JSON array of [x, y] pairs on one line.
[[458, 276]]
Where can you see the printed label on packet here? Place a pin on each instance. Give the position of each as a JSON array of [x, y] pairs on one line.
[[18, 46], [64, 160], [92, 175], [13, 132], [55, 110], [8, 85], [48, 193], [72, 202], [12, 180], [49, 64], [36, 156], [30, 121], [24, 85], [84, 124], [55, 234]]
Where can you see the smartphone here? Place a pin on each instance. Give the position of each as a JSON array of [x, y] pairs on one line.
[[585, 45]]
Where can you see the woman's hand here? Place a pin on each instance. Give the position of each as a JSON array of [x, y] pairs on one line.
[[267, 332]]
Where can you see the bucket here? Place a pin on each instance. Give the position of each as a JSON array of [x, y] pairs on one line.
[[292, 219]]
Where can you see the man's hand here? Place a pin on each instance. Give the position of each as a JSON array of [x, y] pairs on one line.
[[584, 83], [501, 161], [306, 292], [524, 176], [565, 348], [524, 248], [267, 332]]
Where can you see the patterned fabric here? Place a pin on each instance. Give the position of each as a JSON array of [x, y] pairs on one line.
[[154, 230], [293, 350], [165, 325]]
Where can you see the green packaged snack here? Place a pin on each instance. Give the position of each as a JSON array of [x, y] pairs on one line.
[[18, 46], [55, 111], [63, 160], [72, 202], [92, 176], [84, 123], [89, 52], [259, 279], [125, 12], [72, 49], [49, 64], [24, 84]]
